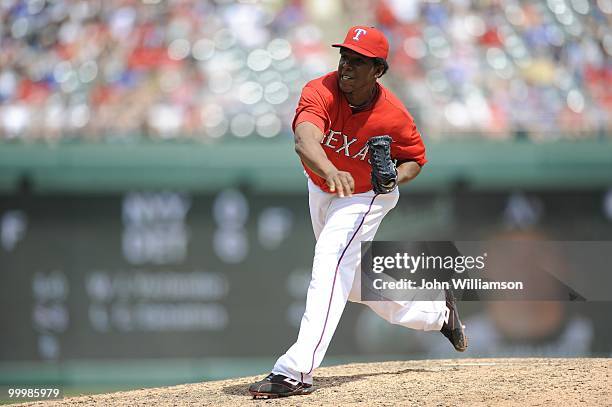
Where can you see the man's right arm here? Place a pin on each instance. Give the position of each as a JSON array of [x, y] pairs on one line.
[[308, 146]]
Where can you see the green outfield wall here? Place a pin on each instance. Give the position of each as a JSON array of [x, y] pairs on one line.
[[272, 166]]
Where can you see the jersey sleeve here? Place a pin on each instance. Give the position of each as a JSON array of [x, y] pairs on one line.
[[312, 108], [409, 146]]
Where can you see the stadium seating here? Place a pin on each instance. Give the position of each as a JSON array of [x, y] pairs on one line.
[[121, 70]]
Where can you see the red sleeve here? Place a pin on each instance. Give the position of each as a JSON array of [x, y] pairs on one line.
[[409, 145], [312, 108]]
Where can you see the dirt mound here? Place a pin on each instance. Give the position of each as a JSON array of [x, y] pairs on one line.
[[473, 382]]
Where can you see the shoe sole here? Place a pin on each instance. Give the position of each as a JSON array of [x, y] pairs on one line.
[[262, 395], [460, 342]]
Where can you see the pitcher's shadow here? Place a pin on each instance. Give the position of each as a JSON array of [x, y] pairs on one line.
[[323, 382]]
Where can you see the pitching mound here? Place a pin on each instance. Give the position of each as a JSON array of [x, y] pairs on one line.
[[471, 382]]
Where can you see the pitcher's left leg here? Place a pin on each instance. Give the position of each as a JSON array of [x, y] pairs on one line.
[[337, 253]]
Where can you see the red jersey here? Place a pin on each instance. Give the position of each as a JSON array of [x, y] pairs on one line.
[[346, 133]]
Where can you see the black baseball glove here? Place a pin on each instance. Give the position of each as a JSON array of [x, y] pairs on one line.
[[384, 173]]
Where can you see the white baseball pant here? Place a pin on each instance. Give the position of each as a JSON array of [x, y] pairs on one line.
[[340, 224]]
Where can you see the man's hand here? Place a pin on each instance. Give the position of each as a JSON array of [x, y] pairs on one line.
[[340, 182]]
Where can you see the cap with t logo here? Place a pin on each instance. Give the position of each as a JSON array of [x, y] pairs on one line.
[[368, 41]]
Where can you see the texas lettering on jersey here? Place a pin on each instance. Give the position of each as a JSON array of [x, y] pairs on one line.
[[341, 144]]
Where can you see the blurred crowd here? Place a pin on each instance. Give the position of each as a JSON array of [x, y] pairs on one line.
[[117, 69], [536, 69], [224, 69]]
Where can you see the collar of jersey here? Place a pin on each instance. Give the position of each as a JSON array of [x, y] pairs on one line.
[[367, 108]]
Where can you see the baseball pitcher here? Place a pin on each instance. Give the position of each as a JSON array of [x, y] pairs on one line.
[[349, 133]]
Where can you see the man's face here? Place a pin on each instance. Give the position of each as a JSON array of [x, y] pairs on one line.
[[356, 72]]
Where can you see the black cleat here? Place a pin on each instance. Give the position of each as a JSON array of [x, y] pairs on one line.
[[452, 328], [278, 385]]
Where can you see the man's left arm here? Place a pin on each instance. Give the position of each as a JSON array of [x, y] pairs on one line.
[[407, 171], [409, 150]]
